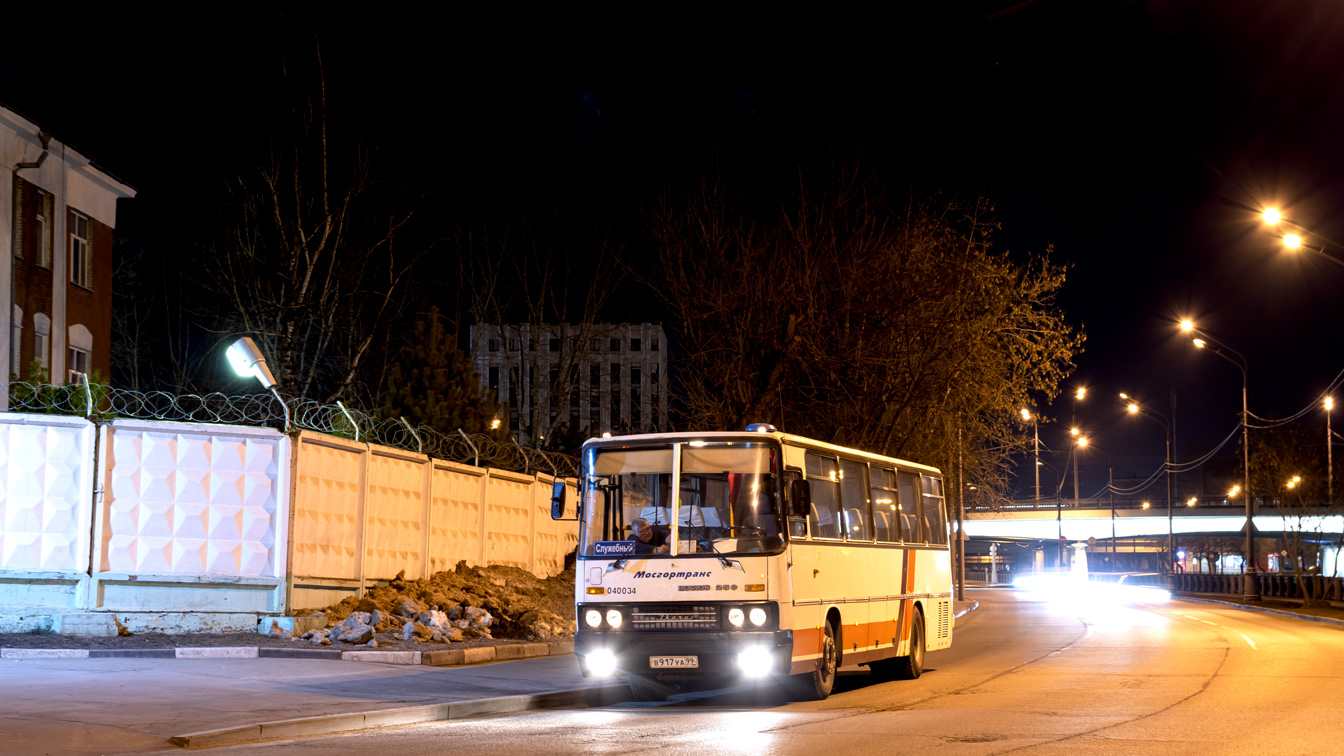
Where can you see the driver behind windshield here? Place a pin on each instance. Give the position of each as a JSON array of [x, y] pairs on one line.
[[647, 539]]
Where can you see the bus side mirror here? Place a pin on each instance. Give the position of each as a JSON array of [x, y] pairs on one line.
[[558, 500], [800, 498]]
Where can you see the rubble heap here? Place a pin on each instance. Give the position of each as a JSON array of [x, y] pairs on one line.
[[461, 604]]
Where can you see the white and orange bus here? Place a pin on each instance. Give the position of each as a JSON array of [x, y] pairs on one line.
[[764, 555]]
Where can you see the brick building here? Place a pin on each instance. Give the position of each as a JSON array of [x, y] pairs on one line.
[[589, 378], [57, 213]]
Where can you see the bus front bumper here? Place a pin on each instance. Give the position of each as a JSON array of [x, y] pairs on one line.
[[680, 654]]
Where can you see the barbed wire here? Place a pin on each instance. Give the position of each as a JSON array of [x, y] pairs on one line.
[[104, 402]]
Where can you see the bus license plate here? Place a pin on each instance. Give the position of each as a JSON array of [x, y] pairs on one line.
[[674, 662]]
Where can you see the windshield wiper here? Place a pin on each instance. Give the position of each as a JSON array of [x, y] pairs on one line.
[[619, 564], [729, 564]]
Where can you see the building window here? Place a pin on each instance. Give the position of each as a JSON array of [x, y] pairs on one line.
[[492, 345], [43, 219], [634, 345], [81, 251], [42, 340], [78, 365], [615, 345], [494, 383], [513, 345], [555, 345], [653, 345], [595, 345]]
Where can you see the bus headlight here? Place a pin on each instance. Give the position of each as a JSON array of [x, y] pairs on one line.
[[593, 617], [601, 662], [736, 617], [758, 616], [754, 662], [613, 618]]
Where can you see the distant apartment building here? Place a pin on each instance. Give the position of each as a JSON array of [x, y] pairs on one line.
[[578, 378], [57, 213]]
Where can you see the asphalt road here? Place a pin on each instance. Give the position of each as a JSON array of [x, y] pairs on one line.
[[1027, 673]]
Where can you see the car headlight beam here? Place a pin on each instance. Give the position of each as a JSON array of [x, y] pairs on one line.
[[593, 617], [614, 618], [758, 616]]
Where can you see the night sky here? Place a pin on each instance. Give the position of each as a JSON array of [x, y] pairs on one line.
[[1140, 139]]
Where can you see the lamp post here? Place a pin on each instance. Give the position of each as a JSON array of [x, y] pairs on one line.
[[1294, 242], [1078, 396], [1036, 442], [1133, 408], [1329, 456], [1202, 340], [248, 361]]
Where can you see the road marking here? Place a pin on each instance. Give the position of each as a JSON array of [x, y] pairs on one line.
[[1215, 624], [1248, 640]]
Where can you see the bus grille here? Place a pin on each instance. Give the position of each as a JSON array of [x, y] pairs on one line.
[[944, 620], [674, 618]]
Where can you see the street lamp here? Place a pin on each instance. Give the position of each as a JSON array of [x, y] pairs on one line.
[[1329, 455], [248, 362], [1250, 586], [1273, 216], [1036, 440], [1133, 408]]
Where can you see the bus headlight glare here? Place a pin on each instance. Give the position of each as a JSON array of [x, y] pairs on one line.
[[593, 617], [736, 617], [758, 616], [754, 662], [613, 618], [601, 662]]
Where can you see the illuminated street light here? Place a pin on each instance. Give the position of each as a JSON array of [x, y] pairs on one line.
[[1157, 417], [1292, 241], [1329, 455], [1233, 491], [1082, 441], [248, 362], [1036, 444], [1272, 216], [1250, 585]]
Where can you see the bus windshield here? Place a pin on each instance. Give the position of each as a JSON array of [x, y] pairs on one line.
[[727, 500]]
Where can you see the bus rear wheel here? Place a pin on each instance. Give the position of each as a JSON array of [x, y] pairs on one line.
[[912, 666], [818, 684]]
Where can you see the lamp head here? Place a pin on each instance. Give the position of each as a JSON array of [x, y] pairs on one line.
[[1271, 215], [247, 361], [1187, 325], [1026, 415]]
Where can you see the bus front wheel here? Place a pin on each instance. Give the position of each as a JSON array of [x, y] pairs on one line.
[[817, 684]]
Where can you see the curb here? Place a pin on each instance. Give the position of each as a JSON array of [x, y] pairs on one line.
[[974, 605], [1263, 610], [337, 723], [443, 658]]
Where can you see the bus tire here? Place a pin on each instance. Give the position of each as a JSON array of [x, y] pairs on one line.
[[817, 684], [912, 666]]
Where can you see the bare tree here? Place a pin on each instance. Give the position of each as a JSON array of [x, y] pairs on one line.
[[833, 312], [308, 255]]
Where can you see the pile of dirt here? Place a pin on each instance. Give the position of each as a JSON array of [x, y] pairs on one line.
[[464, 603]]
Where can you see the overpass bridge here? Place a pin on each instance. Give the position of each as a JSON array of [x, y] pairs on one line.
[[1128, 536]]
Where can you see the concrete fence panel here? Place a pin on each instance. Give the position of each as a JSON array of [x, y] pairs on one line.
[[396, 514], [46, 514], [193, 517], [457, 512], [510, 518]]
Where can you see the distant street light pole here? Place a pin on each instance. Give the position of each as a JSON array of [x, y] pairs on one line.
[[1293, 242], [1329, 455], [1250, 585], [1134, 409], [1036, 439], [1077, 397]]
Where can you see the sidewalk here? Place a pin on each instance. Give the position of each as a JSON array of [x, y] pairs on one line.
[[108, 705], [89, 705]]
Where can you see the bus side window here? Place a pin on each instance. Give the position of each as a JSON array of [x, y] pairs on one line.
[[935, 522], [908, 484], [823, 476], [854, 500], [886, 526]]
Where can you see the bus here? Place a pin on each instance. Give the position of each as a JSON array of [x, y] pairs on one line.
[[705, 558]]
